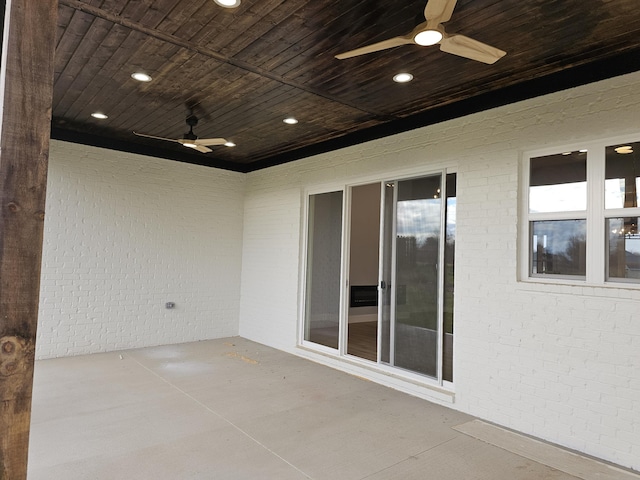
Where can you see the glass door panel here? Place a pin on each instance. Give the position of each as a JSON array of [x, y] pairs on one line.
[[386, 273], [417, 238], [324, 258], [449, 271], [364, 245]]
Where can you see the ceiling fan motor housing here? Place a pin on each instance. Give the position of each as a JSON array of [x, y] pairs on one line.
[[190, 136], [192, 121]]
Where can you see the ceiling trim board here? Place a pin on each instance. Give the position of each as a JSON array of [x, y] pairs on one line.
[[157, 152], [577, 76]]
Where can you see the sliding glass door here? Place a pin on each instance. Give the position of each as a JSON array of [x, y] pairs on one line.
[[410, 324], [324, 261], [418, 219]]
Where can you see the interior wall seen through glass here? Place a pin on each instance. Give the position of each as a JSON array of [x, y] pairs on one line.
[[364, 253]]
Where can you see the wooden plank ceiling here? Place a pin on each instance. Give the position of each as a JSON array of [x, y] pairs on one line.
[[243, 70]]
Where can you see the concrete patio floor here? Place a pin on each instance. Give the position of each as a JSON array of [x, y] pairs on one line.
[[234, 409]]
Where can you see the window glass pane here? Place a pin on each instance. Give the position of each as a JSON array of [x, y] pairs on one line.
[[558, 183], [418, 219], [322, 309], [387, 274], [622, 176], [558, 247], [624, 248], [449, 271]]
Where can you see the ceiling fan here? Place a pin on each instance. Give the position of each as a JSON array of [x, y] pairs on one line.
[[432, 32], [190, 139]]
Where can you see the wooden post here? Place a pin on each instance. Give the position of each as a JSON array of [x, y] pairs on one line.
[[27, 70]]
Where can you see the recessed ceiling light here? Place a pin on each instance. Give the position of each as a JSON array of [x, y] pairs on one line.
[[584, 150], [428, 37], [290, 121], [141, 77], [228, 3], [624, 150], [229, 144], [402, 77], [99, 115]]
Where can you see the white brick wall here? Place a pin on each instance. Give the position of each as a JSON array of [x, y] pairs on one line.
[[558, 362], [272, 222], [124, 234]]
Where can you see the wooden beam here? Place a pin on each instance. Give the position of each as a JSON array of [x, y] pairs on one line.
[[27, 70]]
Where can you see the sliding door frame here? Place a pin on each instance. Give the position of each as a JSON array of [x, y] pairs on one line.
[[341, 352], [304, 270]]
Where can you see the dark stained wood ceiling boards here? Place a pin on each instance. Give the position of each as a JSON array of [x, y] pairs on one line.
[[243, 70]]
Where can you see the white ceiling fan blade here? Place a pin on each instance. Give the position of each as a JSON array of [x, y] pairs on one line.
[[202, 149], [470, 48], [376, 47], [439, 11], [194, 144], [155, 138], [210, 141]]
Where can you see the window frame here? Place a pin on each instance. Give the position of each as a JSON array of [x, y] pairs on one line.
[[595, 215]]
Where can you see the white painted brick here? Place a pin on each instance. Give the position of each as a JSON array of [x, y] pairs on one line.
[[556, 361], [126, 233], [123, 235]]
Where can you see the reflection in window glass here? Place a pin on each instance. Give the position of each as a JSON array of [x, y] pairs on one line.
[[614, 193], [449, 272], [558, 183], [418, 225], [622, 176], [559, 247], [624, 248]]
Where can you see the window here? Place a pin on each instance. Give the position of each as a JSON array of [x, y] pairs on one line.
[[622, 195], [581, 213]]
